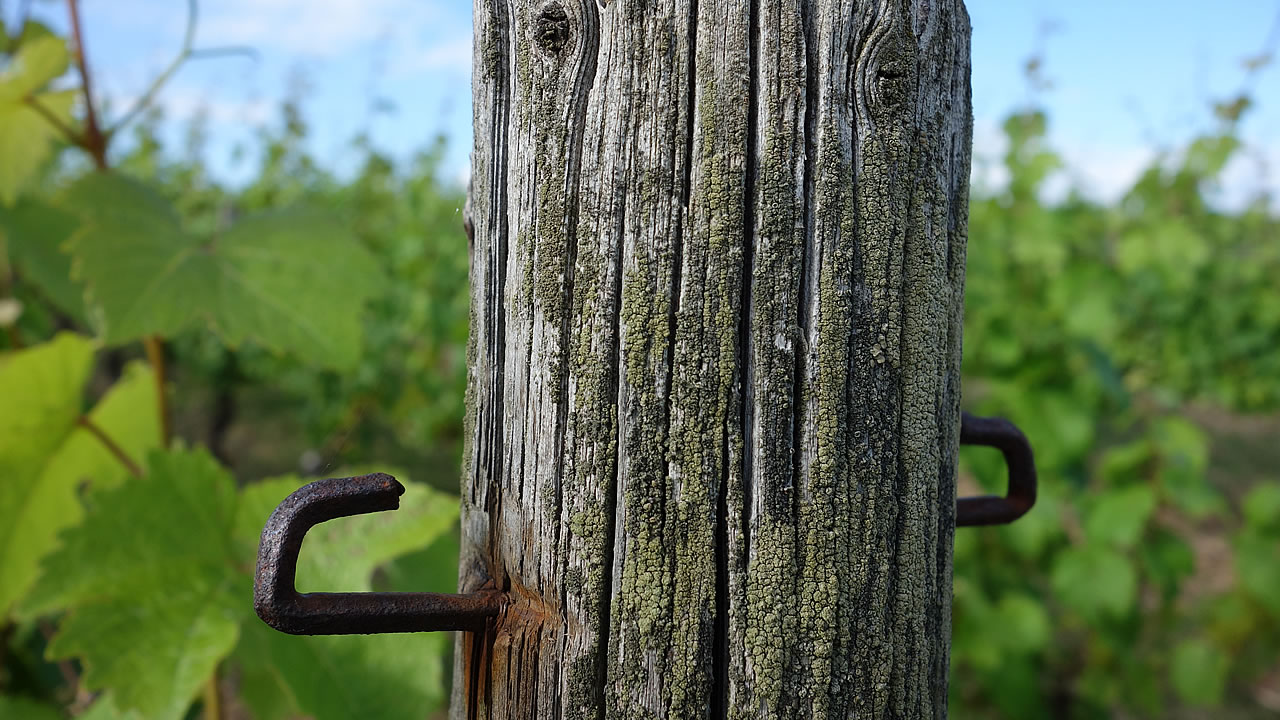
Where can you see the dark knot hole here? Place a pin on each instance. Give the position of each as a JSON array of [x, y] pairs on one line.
[[553, 30]]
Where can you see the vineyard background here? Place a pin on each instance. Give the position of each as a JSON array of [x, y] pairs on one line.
[[1136, 341]]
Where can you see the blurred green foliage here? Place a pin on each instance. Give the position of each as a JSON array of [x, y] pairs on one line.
[[1135, 343], [1127, 341], [284, 325]]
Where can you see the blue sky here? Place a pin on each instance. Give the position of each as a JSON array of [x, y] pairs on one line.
[[1128, 77]]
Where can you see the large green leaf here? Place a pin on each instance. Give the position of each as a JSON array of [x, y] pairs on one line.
[[20, 708], [349, 676], [346, 676], [33, 233], [1119, 516], [151, 586], [1095, 580], [41, 389], [1199, 672], [25, 136], [128, 414], [291, 282]]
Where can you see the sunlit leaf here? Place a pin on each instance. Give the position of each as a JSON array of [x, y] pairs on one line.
[[292, 282], [26, 138], [42, 391], [19, 707], [154, 599], [33, 233], [1262, 506], [1119, 516], [1198, 671], [1095, 581]]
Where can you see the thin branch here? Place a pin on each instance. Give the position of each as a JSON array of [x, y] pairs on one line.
[[223, 51], [147, 98], [67, 132], [111, 445], [94, 141], [212, 700], [68, 671], [155, 355], [188, 37]]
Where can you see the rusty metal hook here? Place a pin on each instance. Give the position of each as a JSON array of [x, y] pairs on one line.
[[282, 607], [1009, 440]]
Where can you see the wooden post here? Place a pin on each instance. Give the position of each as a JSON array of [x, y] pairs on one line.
[[713, 398]]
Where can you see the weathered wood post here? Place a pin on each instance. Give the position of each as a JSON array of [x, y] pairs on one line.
[[713, 401]]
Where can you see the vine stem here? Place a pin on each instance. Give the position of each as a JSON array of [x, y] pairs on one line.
[[65, 130], [111, 445], [94, 141], [155, 355], [212, 701]]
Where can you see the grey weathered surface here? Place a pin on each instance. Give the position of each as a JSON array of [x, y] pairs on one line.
[[713, 401]]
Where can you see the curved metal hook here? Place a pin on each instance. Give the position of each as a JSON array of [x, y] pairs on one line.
[[1009, 440], [282, 607]]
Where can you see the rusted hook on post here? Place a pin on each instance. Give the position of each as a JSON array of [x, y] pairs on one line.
[[282, 607], [1009, 440]]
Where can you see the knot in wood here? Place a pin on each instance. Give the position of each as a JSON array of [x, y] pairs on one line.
[[552, 28]]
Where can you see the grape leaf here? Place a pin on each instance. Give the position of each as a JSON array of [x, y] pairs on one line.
[[33, 233], [1094, 580], [24, 709], [290, 281], [104, 708], [41, 388], [1199, 672], [1119, 516], [129, 415], [348, 676], [338, 677], [150, 582], [25, 136], [1024, 623], [1256, 566], [1261, 506]]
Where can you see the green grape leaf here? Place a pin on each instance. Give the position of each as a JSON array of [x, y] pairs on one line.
[[341, 555], [290, 281], [1261, 506], [104, 708], [1167, 559], [39, 60], [26, 139], [1024, 623], [1094, 580], [1198, 671], [434, 569], [150, 582], [25, 136], [129, 415], [41, 389], [20, 708], [342, 677], [1257, 568], [33, 233], [1119, 516]]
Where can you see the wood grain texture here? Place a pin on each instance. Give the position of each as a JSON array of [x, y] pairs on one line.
[[713, 396]]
